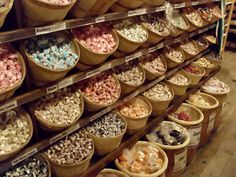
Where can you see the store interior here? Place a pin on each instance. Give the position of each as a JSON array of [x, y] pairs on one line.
[[117, 88]]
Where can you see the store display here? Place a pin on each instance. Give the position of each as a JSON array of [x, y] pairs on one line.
[[189, 48], [174, 56]]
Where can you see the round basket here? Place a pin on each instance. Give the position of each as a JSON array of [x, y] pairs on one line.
[[91, 106], [127, 88], [118, 8], [149, 3], [128, 46], [112, 171], [179, 90], [216, 62], [170, 62], [7, 93], [50, 127], [22, 113], [105, 145], [39, 73], [159, 173], [194, 127], [207, 69], [160, 106], [177, 156], [38, 12], [90, 57], [4, 11], [131, 4], [176, 31], [118, 54], [70, 170], [200, 47], [221, 97], [216, 11], [42, 158], [136, 124], [209, 116], [187, 54], [195, 78], [151, 75], [206, 21]]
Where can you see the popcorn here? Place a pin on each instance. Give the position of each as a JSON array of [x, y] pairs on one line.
[[179, 79]]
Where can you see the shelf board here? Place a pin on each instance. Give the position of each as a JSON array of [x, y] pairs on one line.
[[24, 33], [104, 161], [31, 150], [75, 78]]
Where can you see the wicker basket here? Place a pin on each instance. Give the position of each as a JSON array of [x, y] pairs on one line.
[[195, 78], [128, 46], [179, 90], [216, 11], [150, 75], [176, 31], [175, 167], [39, 73], [22, 113], [194, 127], [159, 173], [91, 106], [149, 3], [106, 145], [221, 97], [217, 63], [127, 88], [170, 62], [118, 8], [112, 171], [136, 124], [7, 93], [187, 54], [209, 117], [208, 70], [4, 11], [40, 13], [83, 67], [200, 47], [131, 4], [89, 57], [50, 127], [159, 106], [42, 158]]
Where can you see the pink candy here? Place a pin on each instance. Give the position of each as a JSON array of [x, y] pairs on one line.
[[96, 38], [10, 67], [58, 2]]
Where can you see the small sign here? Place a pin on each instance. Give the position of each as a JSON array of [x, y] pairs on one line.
[[158, 9], [50, 29], [152, 49], [52, 89], [8, 106], [65, 83], [136, 12], [129, 58], [180, 160], [195, 134], [100, 19], [181, 5], [194, 3], [24, 156]]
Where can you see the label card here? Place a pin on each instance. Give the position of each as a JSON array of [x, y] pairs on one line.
[[50, 29], [180, 160], [211, 121], [195, 134], [8, 106]]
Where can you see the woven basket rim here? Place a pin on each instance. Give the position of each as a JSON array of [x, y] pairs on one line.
[[47, 4], [7, 8]]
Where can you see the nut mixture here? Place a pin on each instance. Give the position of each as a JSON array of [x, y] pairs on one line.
[[131, 29], [10, 67], [159, 92], [130, 73], [153, 63], [51, 52], [174, 54], [60, 108], [179, 79], [203, 62], [192, 69], [199, 100], [189, 47], [97, 38], [156, 22], [215, 85], [71, 150], [58, 2], [193, 16], [101, 89], [14, 131], [109, 125], [178, 21], [30, 168], [182, 115], [206, 13]]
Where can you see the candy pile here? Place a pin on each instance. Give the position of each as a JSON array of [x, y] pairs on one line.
[[174, 54], [156, 22], [178, 21], [109, 125], [14, 131], [203, 62], [97, 38], [30, 168], [189, 47], [141, 159], [169, 133], [215, 85], [193, 16], [185, 116], [192, 69], [199, 100], [71, 150], [60, 108], [130, 73], [133, 110], [131, 29], [10, 67], [101, 89], [206, 13], [202, 43], [153, 63], [159, 92], [58, 2], [51, 52], [179, 79]]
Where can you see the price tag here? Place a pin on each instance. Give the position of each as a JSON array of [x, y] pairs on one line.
[[105, 67], [195, 134], [100, 19], [181, 5], [176, 40], [52, 89], [136, 12], [194, 3], [129, 58], [159, 46], [180, 160], [56, 138], [138, 54], [152, 49], [8, 106], [24, 156], [50, 29], [202, 30], [65, 83], [158, 9], [211, 122]]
